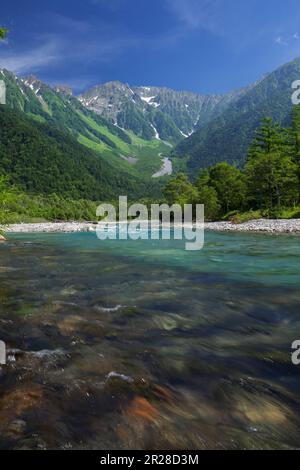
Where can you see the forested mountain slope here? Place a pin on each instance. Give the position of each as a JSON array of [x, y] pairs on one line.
[[227, 137], [41, 159], [57, 107]]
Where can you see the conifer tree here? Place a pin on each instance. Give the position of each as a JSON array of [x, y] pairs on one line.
[[208, 196], [228, 182], [179, 190], [293, 141], [270, 170]]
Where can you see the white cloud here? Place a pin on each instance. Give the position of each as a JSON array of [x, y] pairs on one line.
[[286, 41], [279, 40], [30, 60], [72, 40], [204, 14]]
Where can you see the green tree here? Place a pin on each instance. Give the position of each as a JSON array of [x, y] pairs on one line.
[[208, 196], [8, 196], [292, 135], [180, 190], [270, 170], [3, 33], [229, 184]]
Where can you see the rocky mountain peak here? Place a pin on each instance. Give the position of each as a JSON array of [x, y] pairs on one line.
[[63, 89], [155, 111], [33, 82]]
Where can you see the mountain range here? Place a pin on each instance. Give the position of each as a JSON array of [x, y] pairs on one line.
[[57, 108], [153, 112], [125, 132], [227, 136]]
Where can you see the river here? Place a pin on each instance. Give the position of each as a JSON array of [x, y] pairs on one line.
[[166, 169], [123, 344]]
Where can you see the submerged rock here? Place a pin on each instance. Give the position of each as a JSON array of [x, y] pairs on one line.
[[81, 327], [141, 408], [2, 238], [16, 429], [15, 403]]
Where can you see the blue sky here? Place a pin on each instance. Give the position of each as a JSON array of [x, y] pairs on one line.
[[206, 46]]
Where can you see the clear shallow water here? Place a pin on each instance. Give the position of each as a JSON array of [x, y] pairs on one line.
[[144, 345]]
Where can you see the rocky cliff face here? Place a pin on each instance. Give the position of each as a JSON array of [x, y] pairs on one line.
[[64, 90], [154, 111]]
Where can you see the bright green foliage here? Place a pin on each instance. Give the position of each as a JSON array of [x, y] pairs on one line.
[[293, 140], [179, 190], [42, 160], [65, 112], [8, 195], [293, 135], [268, 186], [228, 181], [237, 217], [268, 138], [207, 195], [270, 171], [221, 189], [3, 33], [25, 208]]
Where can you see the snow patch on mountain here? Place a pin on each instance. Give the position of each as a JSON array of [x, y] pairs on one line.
[[148, 99], [156, 132]]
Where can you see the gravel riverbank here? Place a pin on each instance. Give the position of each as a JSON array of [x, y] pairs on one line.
[[262, 225]]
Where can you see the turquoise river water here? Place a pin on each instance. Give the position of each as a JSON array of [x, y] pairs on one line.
[[143, 345]]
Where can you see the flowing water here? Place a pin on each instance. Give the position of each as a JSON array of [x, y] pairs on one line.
[[142, 345]]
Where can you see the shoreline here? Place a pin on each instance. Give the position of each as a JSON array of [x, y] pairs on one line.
[[254, 226]]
